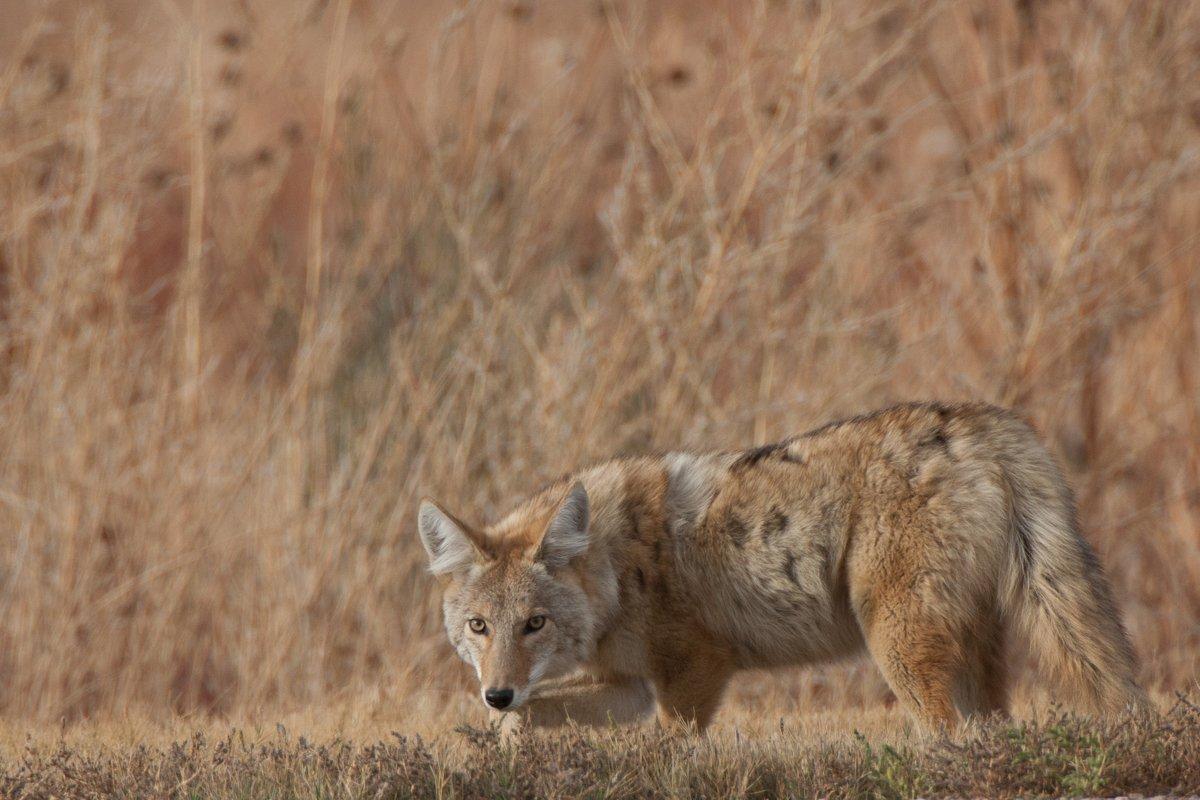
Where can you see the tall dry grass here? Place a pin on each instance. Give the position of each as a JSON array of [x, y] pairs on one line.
[[273, 270]]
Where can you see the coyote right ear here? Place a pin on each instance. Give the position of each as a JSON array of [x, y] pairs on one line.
[[566, 535], [452, 545]]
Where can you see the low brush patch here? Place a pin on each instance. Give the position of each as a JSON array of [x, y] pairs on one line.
[[1054, 757]]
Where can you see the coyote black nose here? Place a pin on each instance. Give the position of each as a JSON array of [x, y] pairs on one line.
[[498, 698]]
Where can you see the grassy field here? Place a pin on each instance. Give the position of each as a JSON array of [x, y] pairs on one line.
[[1054, 756], [270, 271]]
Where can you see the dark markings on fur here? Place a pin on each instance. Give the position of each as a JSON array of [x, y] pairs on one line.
[[936, 441], [750, 650], [641, 578], [1024, 538], [803, 604], [811, 603], [663, 590], [789, 567], [646, 521], [751, 458], [775, 524], [831, 516], [819, 553], [631, 509], [736, 530], [755, 456]]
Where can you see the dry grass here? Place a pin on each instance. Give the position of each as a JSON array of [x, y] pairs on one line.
[[271, 270], [1057, 756]]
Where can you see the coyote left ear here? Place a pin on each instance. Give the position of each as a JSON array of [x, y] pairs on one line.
[[566, 536]]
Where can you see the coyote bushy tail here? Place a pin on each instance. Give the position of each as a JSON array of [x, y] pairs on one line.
[[1058, 595]]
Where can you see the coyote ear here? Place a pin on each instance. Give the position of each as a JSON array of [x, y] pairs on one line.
[[566, 536], [451, 544]]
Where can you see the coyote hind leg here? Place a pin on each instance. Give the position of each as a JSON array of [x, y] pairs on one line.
[[983, 683], [940, 668], [920, 662]]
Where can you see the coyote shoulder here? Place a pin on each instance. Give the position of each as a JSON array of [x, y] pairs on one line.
[[921, 534]]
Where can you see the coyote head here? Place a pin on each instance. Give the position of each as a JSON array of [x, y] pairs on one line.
[[514, 603]]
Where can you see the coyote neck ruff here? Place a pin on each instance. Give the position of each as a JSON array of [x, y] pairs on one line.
[[920, 533]]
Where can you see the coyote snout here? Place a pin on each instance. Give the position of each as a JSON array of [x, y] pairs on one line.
[[511, 652]]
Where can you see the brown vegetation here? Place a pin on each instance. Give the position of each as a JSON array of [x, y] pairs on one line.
[[1056, 757], [271, 270]]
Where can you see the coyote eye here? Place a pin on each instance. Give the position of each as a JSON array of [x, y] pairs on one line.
[[535, 623], [477, 625]]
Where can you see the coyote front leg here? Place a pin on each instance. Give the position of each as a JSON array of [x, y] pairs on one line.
[[688, 696]]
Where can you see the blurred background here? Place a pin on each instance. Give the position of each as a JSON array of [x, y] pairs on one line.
[[272, 270]]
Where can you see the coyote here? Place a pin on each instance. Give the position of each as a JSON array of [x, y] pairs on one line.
[[920, 533]]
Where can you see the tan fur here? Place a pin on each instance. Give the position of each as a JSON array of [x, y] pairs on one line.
[[921, 534]]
